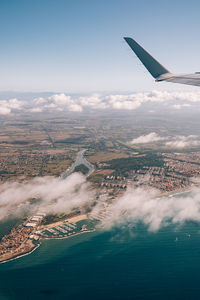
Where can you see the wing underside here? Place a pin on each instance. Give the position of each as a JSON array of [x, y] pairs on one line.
[[185, 79]]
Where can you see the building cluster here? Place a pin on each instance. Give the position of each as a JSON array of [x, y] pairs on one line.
[[158, 177], [114, 182], [185, 164], [15, 240], [172, 176], [35, 220]]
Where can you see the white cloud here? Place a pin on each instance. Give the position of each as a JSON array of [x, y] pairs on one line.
[[50, 105], [56, 194], [179, 106], [60, 99], [75, 107], [94, 101], [62, 102], [135, 205], [181, 142], [124, 102], [14, 104], [149, 138], [36, 109], [143, 205], [39, 100], [127, 102], [7, 106], [4, 110]]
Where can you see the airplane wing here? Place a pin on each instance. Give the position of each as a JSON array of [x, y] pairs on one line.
[[159, 72]]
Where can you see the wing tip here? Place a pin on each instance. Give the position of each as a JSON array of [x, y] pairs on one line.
[[127, 38]]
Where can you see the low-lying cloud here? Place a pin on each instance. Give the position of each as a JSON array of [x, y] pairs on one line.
[[179, 106], [182, 141], [63, 102], [148, 138], [56, 195], [175, 142], [144, 205], [8, 106]]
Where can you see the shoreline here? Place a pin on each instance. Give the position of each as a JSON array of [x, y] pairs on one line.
[[21, 255], [66, 237], [167, 194], [178, 191], [40, 243]]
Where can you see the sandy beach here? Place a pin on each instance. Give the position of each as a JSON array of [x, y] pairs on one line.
[[71, 220]]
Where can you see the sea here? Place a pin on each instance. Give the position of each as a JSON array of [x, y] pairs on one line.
[[126, 262]]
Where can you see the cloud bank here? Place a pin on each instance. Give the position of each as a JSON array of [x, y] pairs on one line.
[[181, 142], [7, 106], [144, 205], [63, 102], [56, 195], [148, 138], [175, 142], [135, 205]]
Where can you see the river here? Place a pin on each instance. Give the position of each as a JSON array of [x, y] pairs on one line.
[[80, 160]]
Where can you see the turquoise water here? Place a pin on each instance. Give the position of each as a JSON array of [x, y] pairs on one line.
[[126, 263]]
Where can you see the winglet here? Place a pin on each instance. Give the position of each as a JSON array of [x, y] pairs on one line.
[[152, 65]]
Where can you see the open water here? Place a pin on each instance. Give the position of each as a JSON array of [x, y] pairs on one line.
[[128, 263]]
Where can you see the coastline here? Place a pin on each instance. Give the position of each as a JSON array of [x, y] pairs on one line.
[[39, 244], [21, 255], [67, 236], [177, 191], [80, 154], [167, 194]]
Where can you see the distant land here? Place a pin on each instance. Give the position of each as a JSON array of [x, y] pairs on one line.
[[125, 149]]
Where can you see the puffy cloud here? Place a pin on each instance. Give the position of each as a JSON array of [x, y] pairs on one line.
[[179, 106], [7, 106], [75, 107], [95, 101], [135, 205], [149, 138], [4, 110], [123, 102], [144, 205], [164, 96], [39, 100], [36, 109], [128, 102], [181, 142], [61, 99], [62, 102], [56, 195], [14, 104]]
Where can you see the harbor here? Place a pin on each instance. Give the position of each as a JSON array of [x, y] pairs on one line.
[[26, 237]]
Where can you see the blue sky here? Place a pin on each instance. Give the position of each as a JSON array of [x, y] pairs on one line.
[[77, 46]]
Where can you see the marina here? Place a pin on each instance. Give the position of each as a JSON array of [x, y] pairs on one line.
[[67, 229]]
